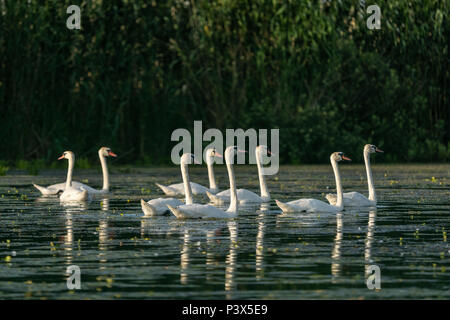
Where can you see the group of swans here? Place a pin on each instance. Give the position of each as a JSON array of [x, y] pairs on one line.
[[77, 191], [234, 196]]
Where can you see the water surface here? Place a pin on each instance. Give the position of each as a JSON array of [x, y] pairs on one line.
[[262, 254]]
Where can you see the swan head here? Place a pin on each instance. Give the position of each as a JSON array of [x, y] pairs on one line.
[[210, 154], [371, 148], [339, 156], [188, 158], [230, 152], [262, 150], [106, 152], [69, 155]]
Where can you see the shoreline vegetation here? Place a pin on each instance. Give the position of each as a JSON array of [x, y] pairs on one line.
[[139, 69], [28, 168]]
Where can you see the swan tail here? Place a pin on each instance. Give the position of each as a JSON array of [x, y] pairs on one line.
[[331, 198], [213, 197], [284, 206], [168, 191], [176, 212], [148, 209], [45, 191]]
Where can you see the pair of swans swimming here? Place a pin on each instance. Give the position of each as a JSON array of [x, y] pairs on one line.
[[339, 200], [233, 195], [77, 191]]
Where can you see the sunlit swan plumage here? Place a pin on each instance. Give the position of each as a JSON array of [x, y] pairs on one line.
[[356, 199], [314, 205], [244, 195], [72, 193], [177, 189], [59, 187], [193, 210]]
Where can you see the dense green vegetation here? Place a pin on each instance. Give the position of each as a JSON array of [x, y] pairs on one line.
[[139, 69]]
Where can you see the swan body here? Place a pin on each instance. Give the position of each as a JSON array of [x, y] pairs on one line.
[[158, 207], [244, 195], [314, 205], [72, 193], [356, 199], [55, 189], [192, 210], [195, 210], [178, 189], [352, 199]]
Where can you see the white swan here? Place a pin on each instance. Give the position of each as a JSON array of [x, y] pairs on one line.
[[158, 207], [192, 210], [356, 199], [197, 189], [59, 187], [314, 205], [244, 195], [72, 193]]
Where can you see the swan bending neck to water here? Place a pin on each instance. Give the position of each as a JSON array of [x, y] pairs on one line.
[[192, 210], [178, 189], [244, 195], [314, 205], [54, 189], [356, 199], [72, 193]]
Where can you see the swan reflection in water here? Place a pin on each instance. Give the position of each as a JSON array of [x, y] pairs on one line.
[[231, 258], [103, 235], [70, 208], [369, 240], [336, 253], [259, 263], [184, 254]]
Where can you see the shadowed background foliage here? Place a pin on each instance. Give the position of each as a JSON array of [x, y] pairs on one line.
[[139, 69]]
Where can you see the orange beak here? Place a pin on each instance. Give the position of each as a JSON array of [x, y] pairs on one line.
[[62, 157], [216, 154], [112, 154], [378, 150], [346, 158]]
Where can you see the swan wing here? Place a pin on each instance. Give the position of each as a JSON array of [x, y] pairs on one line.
[[157, 207], [243, 195], [74, 194], [351, 199], [192, 211]]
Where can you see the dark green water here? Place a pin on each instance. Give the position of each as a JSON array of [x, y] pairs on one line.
[[261, 254]]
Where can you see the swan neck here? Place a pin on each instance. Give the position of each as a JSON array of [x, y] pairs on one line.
[[187, 184], [69, 172], [339, 192], [372, 195], [211, 176], [233, 193], [104, 171], [262, 178]]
